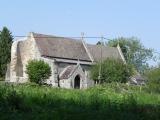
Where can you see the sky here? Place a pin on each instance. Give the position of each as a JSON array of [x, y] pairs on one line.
[[110, 18]]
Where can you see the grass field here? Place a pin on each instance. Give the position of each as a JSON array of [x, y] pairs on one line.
[[108, 102]]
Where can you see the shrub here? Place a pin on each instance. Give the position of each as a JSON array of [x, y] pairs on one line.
[[38, 71], [112, 70], [153, 77]]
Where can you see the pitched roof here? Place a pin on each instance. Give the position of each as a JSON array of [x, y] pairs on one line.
[[67, 48], [60, 47], [67, 72], [107, 52]]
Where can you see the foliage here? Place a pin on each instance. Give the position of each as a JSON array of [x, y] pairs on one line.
[[134, 52], [5, 50], [153, 76], [1, 78], [111, 70], [98, 103], [38, 71], [100, 43]]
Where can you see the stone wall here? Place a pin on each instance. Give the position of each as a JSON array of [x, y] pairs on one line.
[[21, 52], [53, 78], [13, 62]]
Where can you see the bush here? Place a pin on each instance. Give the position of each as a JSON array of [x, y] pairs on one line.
[[38, 71], [112, 70], [153, 77]]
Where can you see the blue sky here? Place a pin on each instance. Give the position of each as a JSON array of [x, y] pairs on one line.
[[111, 18]]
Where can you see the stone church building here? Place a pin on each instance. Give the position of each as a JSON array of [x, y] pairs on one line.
[[70, 60]]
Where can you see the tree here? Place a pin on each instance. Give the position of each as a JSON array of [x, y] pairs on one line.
[[100, 43], [6, 40], [38, 71], [134, 52], [111, 70]]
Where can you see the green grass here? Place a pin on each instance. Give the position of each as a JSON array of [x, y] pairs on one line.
[[108, 102]]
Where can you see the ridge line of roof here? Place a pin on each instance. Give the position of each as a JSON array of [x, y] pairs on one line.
[[53, 36], [68, 38]]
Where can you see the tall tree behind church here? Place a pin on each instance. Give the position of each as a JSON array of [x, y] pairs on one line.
[[6, 40], [134, 52]]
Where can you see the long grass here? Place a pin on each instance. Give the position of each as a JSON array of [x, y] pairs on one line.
[[115, 102]]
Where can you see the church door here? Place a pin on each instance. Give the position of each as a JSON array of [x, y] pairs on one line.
[[77, 82]]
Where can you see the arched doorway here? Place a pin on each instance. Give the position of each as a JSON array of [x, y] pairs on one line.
[[77, 82]]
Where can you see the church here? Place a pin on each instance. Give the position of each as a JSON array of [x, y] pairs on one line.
[[70, 59]]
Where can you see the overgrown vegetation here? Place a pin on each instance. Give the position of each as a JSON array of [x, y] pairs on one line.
[[38, 71], [111, 70], [110, 101], [153, 76]]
